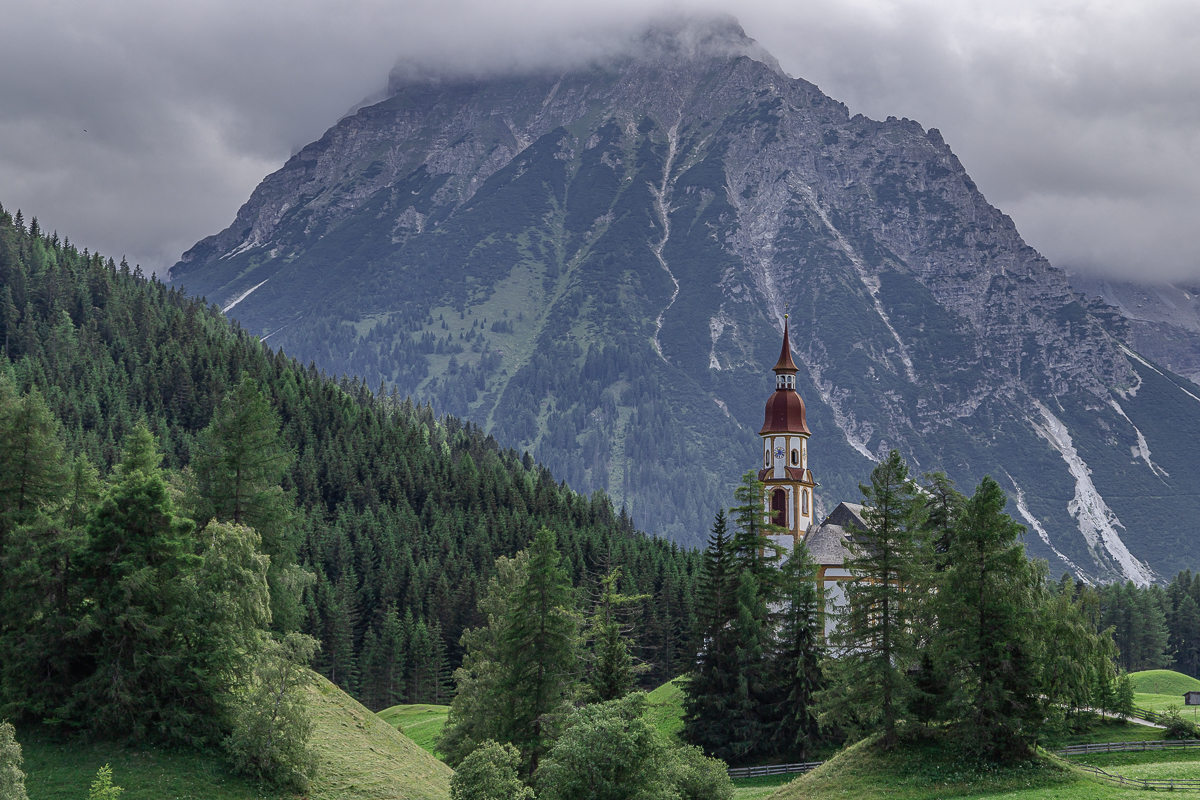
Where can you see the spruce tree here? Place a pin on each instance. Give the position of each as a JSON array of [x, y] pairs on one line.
[[137, 552], [797, 667], [987, 603], [238, 468], [612, 670], [710, 688], [873, 641], [538, 649]]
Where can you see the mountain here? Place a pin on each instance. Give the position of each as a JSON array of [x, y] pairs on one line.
[[1163, 319], [399, 515], [595, 264]]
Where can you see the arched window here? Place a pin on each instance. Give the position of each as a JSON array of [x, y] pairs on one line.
[[804, 502], [795, 457], [779, 508]]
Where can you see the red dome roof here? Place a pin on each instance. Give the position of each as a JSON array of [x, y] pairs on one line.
[[784, 413]]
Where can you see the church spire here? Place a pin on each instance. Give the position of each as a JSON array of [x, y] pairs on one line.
[[785, 365]]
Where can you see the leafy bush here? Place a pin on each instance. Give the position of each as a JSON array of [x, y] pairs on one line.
[[1177, 727], [491, 772], [12, 779], [610, 750], [271, 723]]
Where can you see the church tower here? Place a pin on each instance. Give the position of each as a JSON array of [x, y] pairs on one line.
[[788, 483]]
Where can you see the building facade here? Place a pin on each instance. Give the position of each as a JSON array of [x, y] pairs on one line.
[[789, 499]]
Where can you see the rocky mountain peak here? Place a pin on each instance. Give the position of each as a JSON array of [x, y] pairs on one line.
[[593, 264]]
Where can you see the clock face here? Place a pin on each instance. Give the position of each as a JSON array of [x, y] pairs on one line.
[[779, 452]]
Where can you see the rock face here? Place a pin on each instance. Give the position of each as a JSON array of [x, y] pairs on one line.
[[595, 265], [1162, 319]]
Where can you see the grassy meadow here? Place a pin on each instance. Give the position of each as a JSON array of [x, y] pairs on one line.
[[360, 758], [421, 722]]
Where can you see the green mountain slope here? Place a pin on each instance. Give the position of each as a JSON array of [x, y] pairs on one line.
[[400, 514], [595, 266], [421, 722]]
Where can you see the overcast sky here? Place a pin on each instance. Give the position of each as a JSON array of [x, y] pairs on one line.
[[137, 127]]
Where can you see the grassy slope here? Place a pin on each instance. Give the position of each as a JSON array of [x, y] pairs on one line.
[[421, 723], [926, 772], [1163, 681], [64, 771], [362, 758], [665, 711]]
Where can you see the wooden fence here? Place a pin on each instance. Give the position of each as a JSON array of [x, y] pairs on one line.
[[1170, 784], [773, 769], [1125, 747]]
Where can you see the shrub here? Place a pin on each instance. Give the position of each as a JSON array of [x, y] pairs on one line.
[[1177, 727], [102, 787], [271, 723], [12, 779], [491, 772]]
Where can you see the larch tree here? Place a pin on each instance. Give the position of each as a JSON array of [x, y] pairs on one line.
[[874, 638], [987, 613]]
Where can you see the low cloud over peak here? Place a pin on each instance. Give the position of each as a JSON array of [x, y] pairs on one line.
[[139, 130]]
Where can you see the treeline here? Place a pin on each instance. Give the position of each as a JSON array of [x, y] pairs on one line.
[[1155, 628], [398, 516], [947, 630]]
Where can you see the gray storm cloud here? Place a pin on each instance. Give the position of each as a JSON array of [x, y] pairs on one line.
[[139, 127]]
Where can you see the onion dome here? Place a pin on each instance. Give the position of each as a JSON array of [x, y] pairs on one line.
[[785, 409]]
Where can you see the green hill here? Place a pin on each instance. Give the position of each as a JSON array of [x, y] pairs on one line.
[[421, 722], [1163, 681], [361, 758], [665, 710], [928, 770]]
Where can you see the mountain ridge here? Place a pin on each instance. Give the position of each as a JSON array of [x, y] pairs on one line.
[[633, 232]]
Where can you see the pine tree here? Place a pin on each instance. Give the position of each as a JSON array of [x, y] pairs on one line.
[[751, 548], [797, 668], [613, 671], [751, 702], [137, 551], [874, 639], [987, 604], [539, 651], [31, 457], [710, 688], [238, 468]]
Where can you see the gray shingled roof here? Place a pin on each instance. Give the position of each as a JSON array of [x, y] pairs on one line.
[[827, 544], [845, 515]]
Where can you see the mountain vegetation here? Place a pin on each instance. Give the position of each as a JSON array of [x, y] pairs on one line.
[[594, 265], [948, 632], [178, 503]]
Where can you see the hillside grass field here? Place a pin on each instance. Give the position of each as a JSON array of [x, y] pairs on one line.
[[361, 758], [665, 708], [931, 771], [1163, 681], [421, 722]]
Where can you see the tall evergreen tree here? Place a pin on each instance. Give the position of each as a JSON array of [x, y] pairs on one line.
[[987, 603], [612, 671], [239, 466], [874, 638], [137, 552], [797, 668], [539, 651], [710, 688]]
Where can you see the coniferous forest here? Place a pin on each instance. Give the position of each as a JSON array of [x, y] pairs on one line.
[[383, 523], [189, 517]]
